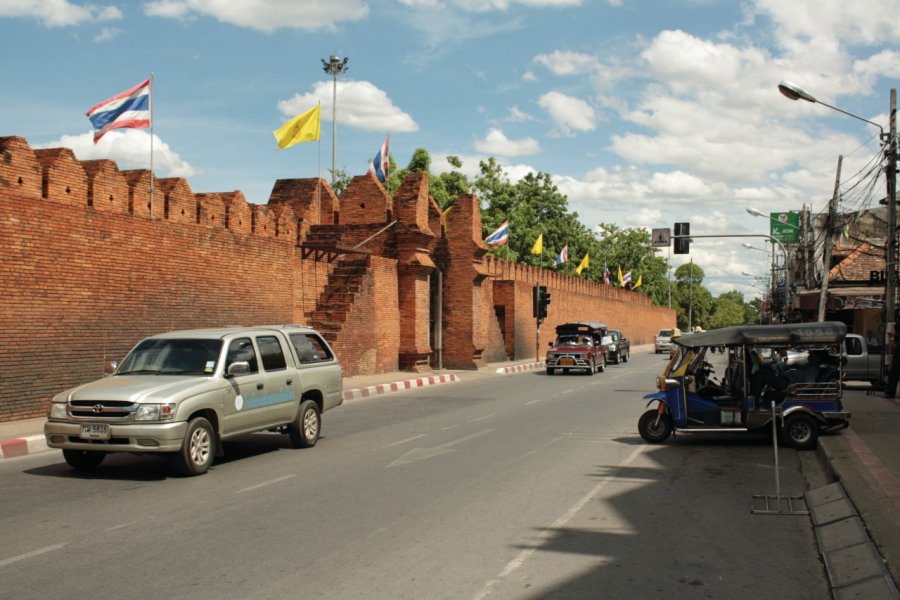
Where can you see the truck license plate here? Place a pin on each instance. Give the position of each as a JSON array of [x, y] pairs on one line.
[[95, 431], [566, 362]]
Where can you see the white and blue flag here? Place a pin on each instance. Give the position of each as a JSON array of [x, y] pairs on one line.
[[380, 164]]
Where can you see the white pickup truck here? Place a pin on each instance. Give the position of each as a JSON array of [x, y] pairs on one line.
[[184, 392]]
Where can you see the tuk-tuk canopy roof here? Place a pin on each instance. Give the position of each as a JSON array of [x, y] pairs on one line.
[[829, 332]]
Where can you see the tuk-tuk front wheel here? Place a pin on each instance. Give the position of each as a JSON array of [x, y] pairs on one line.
[[800, 431], [655, 427]]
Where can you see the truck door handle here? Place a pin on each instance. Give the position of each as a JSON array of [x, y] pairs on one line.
[[290, 381], [259, 386]]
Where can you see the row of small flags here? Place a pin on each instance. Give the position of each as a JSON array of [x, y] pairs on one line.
[[132, 109], [500, 236]]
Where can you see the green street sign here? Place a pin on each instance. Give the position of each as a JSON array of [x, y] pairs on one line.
[[785, 226]]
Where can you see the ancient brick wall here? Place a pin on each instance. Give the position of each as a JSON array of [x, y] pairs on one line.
[[90, 264]]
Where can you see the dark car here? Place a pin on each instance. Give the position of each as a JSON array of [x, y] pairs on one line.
[[619, 348]]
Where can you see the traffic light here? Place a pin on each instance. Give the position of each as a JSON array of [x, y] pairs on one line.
[[682, 244], [543, 301], [540, 298]]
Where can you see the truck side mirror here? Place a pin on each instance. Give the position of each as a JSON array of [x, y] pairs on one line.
[[110, 367], [238, 367]]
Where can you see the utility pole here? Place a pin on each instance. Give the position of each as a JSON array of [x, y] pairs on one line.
[[334, 67], [830, 229], [890, 256]]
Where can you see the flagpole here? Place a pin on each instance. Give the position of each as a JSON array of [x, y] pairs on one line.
[[151, 143], [319, 171]]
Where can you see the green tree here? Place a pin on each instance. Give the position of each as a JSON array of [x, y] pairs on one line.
[[726, 312], [631, 250], [693, 303]]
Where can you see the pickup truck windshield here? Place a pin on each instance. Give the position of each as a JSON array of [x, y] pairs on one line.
[[172, 357]]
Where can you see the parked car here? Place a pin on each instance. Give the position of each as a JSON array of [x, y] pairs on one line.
[[578, 346], [618, 347], [663, 341], [183, 393], [863, 362]]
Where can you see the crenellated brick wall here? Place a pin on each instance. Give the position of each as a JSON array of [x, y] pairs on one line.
[[90, 263]]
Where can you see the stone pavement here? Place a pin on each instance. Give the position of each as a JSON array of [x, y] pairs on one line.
[[856, 517]]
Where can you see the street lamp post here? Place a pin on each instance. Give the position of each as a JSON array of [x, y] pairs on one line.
[[334, 67], [794, 92]]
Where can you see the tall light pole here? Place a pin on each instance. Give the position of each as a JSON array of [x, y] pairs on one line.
[[334, 67], [890, 259]]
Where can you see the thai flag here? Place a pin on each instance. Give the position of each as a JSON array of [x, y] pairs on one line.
[[563, 255], [500, 235], [380, 164], [626, 279], [130, 109], [605, 273]]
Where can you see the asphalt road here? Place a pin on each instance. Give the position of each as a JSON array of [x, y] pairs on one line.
[[501, 486]]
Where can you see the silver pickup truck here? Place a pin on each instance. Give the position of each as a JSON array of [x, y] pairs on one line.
[[863, 362], [184, 392]]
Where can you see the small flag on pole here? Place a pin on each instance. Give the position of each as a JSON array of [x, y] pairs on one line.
[[500, 235], [639, 281], [538, 247], [127, 110], [626, 279], [621, 283], [563, 255], [302, 128], [605, 273], [381, 163], [584, 264]]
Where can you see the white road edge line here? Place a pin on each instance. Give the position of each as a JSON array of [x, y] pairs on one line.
[[264, 484], [31, 554], [525, 554]]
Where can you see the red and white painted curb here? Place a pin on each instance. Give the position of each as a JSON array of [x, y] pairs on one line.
[[519, 368], [399, 386], [14, 447]]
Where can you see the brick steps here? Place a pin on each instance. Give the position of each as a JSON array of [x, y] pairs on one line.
[[340, 293]]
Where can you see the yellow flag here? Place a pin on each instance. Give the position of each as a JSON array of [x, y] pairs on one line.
[[621, 281], [538, 247], [302, 128], [584, 264], [639, 282]]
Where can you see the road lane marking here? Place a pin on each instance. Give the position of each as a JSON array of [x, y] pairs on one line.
[[406, 441], [481, 418], [264, 484], [32, 554], [549, 531], [418, 454]]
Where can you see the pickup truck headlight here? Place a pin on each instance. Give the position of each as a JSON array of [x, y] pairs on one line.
[[155, 412], [57, 410]]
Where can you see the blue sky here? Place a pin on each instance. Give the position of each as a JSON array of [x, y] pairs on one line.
[[644, 112]]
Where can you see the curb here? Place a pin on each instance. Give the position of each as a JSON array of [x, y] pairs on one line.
[[15, 447], [519, 368], [397, 386]]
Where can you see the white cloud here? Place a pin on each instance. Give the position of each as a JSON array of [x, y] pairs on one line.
[[496, 143], [568, 63], [107, 34], [360, 105], [489, 5], [568, 113], [129, 148], [265, 15], [516, 115], [58, 13]]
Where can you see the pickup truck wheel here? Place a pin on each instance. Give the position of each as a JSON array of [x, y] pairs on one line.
[[625, 357], [304, 432], [550, 370], [198, 449], [83, 460], [602, 366]]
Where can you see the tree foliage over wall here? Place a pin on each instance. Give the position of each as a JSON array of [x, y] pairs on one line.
[[534, 206]]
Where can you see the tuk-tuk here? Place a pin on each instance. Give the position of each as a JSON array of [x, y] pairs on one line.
[[792, 371]]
